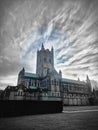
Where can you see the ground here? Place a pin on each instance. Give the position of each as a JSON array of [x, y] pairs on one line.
[[72, 118]]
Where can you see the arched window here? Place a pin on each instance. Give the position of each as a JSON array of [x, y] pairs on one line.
[[49, 60], [45, 60], [20, 92]]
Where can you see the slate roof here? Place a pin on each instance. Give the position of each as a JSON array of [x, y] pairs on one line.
[[33, 87], [31, 75], [36, 88], [73, 81]]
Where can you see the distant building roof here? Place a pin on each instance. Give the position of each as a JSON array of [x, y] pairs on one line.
[[33, 87], [72, 81], [36, 88], [31, 75]]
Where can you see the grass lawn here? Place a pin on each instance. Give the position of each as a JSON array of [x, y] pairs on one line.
[[60, 121]]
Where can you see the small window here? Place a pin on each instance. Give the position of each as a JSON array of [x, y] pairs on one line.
[[58, 94], [52, 82], [45, 59], [21, 93], [49, 60]]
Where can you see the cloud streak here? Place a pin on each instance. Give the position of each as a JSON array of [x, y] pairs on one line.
[[71, 27]]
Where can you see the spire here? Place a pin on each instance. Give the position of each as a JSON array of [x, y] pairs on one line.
[[78, 79], [42, 47], [88, 83], [52, 49], [60, 73], [87, 78], [23, 69]]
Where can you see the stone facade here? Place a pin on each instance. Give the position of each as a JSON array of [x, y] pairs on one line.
[[72, 92]]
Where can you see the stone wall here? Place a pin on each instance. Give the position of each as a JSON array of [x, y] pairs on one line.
[[76, 101]]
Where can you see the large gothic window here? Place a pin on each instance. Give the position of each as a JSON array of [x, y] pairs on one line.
[[45, 60]]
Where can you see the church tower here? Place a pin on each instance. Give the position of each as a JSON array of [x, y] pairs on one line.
[[45, 61]]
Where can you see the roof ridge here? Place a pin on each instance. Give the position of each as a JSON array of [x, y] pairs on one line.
[[73, 80], [28, 74]]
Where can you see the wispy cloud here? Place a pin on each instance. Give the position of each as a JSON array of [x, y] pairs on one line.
[[71, 27]]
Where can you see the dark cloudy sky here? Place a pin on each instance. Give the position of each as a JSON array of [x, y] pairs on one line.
[[70, 26]]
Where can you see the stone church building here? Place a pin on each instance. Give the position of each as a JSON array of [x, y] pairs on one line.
[[52, 84]]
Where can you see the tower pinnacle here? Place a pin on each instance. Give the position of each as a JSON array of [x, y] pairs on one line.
[[42, 46], [52, 48]]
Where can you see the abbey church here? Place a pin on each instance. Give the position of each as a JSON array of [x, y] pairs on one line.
[[51, 83]]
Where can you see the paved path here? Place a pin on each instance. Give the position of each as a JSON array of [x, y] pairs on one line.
[[80, 111]]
